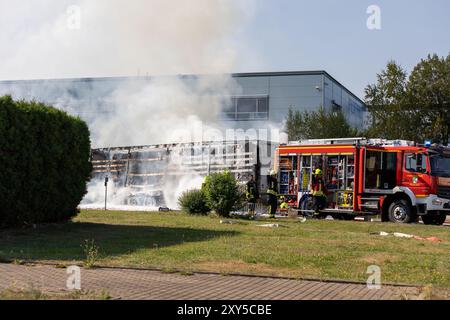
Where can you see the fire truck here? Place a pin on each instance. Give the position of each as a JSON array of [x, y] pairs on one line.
[[396, 179]]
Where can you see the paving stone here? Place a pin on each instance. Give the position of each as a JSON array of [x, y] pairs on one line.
[[148, 285]]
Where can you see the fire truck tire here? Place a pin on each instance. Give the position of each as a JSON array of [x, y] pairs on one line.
[[440, 218], [400, 212], [437, 219]]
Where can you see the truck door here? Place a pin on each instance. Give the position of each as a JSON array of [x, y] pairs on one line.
[[415, 173], [380, 170]]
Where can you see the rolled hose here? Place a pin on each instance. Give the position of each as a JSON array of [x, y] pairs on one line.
[[305, 204]]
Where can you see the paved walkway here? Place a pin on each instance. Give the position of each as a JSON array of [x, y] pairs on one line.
[[144, 284]]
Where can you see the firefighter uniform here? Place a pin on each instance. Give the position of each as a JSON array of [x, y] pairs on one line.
[[318, 192], [272, 191], [252, 195]]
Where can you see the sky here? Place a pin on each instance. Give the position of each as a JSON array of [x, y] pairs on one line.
[[332, 35], [255, 35]]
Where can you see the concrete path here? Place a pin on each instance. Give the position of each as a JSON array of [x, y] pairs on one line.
[[154, 285]]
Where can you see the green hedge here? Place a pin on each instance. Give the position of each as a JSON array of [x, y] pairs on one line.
[[44, 163]]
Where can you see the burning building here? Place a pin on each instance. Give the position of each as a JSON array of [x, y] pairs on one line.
[[148, 176]]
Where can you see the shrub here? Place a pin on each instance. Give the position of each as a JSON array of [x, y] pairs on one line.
[[44, 163], [222, 193], [193, 202]]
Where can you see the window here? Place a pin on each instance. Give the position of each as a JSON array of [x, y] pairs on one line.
[[263, 105], [247, 108], [381, 168], [440, 165], [416, 162], [246, 105]]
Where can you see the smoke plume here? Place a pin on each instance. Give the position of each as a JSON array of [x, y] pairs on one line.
[[151, 39], [85, 38]]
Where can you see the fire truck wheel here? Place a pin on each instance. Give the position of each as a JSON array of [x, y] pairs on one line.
[[400, 212], [435, 219], [440, 218]]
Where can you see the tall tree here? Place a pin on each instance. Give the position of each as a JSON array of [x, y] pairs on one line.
[[429, 93], [414, 107], [317, 125], [385, 101]]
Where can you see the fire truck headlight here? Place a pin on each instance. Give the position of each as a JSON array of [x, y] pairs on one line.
[[437, 202]]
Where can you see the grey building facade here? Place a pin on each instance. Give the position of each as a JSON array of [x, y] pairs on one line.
[[257, 101], [267, 97]]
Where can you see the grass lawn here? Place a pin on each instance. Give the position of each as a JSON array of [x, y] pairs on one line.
[[319, 249]]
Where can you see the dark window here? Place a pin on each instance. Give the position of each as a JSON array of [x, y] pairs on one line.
[[263, 105], [440, 165], [416, 162], [247, 108], [381, 169], [246, 105]]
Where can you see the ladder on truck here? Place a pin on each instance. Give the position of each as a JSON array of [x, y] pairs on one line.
[[354, 141]]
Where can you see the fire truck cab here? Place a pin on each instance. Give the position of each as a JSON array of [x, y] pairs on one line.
[[399, 180]]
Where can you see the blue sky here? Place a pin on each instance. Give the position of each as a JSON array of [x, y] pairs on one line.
[[332, 35]]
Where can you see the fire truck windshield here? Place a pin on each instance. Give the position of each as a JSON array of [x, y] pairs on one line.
[[440, 166]]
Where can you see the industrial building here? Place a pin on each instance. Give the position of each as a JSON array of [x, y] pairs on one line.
[[257, 100]]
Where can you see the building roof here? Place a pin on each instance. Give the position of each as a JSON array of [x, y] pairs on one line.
[[296, 73], [234, 75]]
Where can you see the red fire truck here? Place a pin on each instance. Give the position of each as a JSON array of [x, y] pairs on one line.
[[399, 180]]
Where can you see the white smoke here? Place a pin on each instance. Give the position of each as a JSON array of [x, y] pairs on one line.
[[148, 38], [49, 39], [164, 110]]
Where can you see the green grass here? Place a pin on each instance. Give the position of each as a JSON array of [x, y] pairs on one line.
[[176, 241], [33, 294]]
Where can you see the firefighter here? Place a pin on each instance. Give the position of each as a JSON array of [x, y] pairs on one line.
[[319, 192], [272, 191], [284, 203], [252, 195]]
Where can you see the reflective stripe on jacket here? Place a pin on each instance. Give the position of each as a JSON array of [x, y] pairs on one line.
[[318, 188]]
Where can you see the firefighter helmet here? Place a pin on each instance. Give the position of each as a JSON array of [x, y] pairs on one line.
[[318, 172]]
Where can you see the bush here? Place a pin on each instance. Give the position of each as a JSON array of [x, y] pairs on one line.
[[44, 163], [222, 193], [193, 202]]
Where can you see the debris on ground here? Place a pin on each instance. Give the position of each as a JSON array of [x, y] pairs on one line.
[[433, 239], [403, 235], [302, 220], [271, 225], [407, 236], [230, 222]]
